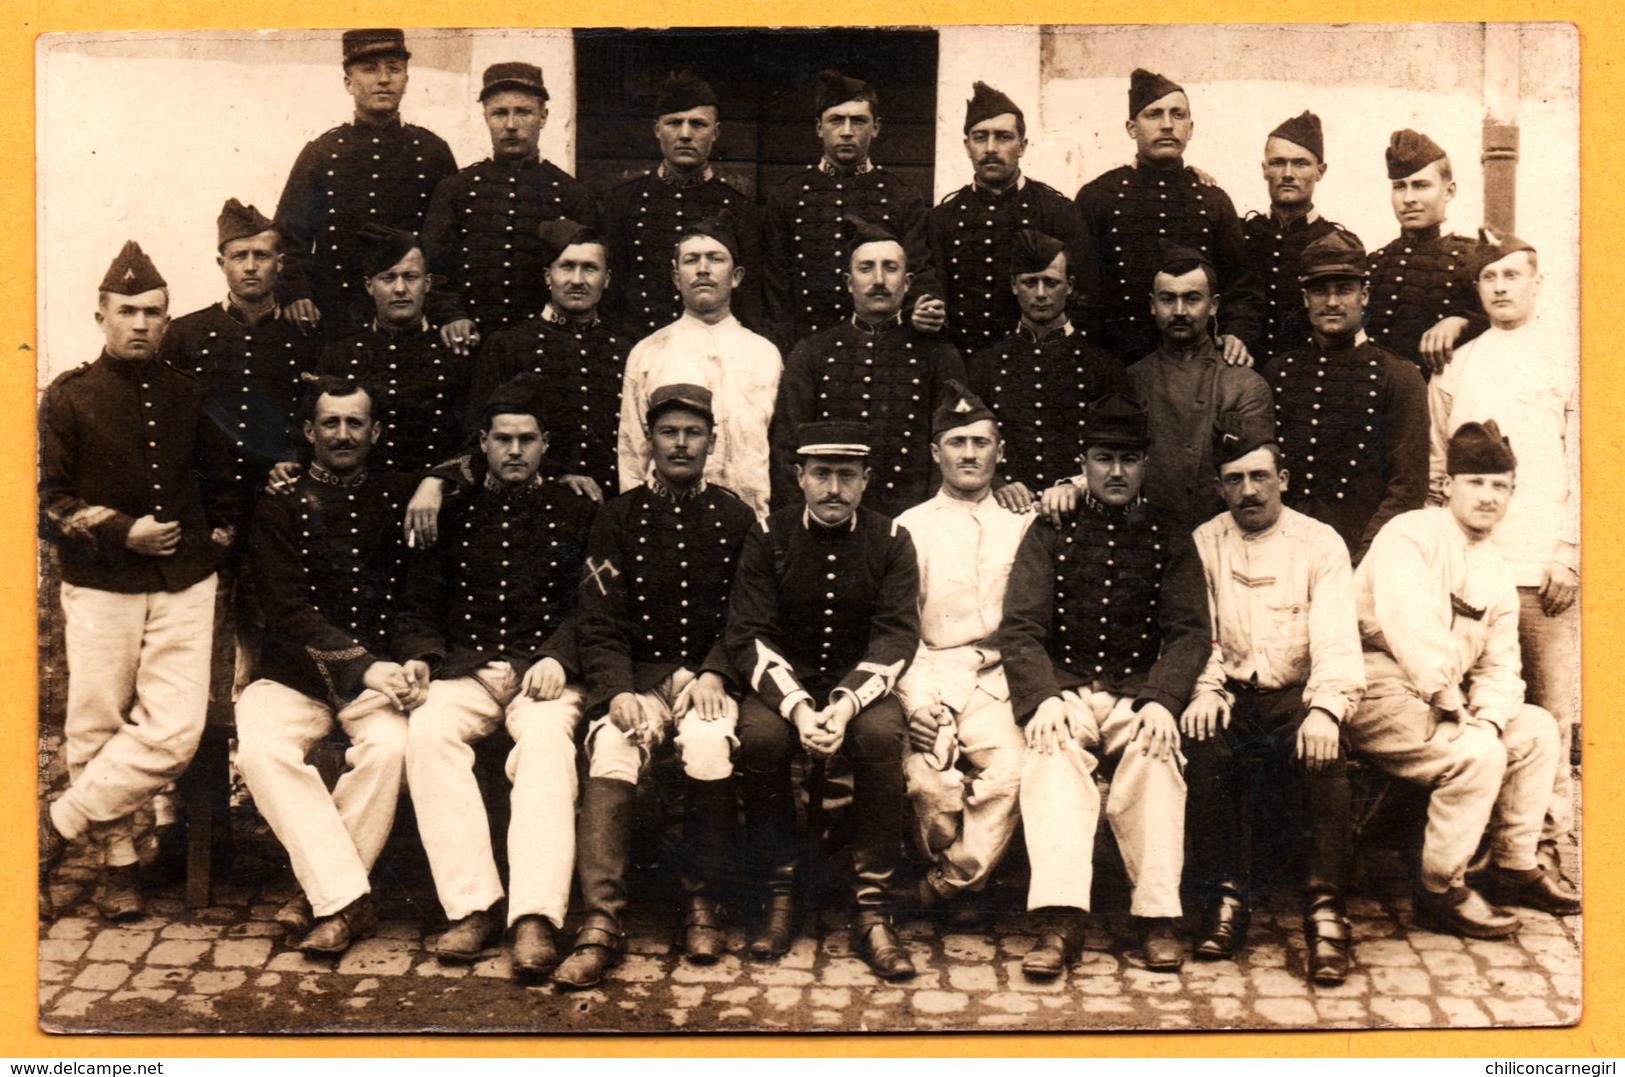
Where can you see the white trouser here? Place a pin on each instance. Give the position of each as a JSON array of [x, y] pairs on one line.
[[706, 748], [451, 817], [138, 694], [966, 823], [334, 840], [1060, 806]]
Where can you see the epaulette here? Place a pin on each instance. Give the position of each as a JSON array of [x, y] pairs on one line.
[[1041, 184], [67, 376], [952, 196], [718, 486]]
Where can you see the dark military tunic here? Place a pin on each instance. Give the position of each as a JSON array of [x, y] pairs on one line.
[[642, 219], [1353, 428], [329, 558], [480, 234], [1418, 280], [349, 176], [499, 584], [1039, 391], [816, 608], [804, 244], [1115, 600], [1130, 211], [971, 232], [1274, 258], [654, 596], [121, 439], [420, 386], [889, 377]]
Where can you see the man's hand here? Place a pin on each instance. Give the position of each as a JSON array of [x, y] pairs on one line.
[[390, 679], [815, 734], [1559, 587], [837, 716], [707, 696], [544, 680], [148, 536], [417, 683], [1205, 716], [303, 314], [923, 725], [1048, 729], [1234, 351], [423, 513], [1059, 502], [1203, 178], [1015, 497], [1155, 724], [583, 486], [626, 714], [223, 536], [1317, 741], [460, 336], [930, 315], [1438, 342], [279, 480]]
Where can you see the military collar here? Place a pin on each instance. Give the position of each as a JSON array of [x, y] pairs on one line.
[[1026, 331], [390, 331], [660, 489], [829, 168], [1021, 182], [532, 161], [684, 180], [550, 314], [320, 474], [1355, 341], [394, 123], [875, 329], [1422, 235], [129, 368], [1109, 512], [497, 486], [237, 314], [821, 530], [1204, 352], [1142, 165], [1296, 221]]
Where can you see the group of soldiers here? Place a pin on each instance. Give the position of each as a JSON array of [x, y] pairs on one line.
[[1012, 517]]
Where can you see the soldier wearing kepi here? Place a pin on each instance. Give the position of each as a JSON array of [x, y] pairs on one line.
[[1294, 164], [824, 609], [643, 217], [971, 230], [1104, 634], [1423, 302], [1133, 209], [1040, 379], [1351, 414], [874, 368], [137, 493], [805, 231], [1445, 705], [659, 567], [1283, 675], [329, 558], [478, 629], [481, 226]]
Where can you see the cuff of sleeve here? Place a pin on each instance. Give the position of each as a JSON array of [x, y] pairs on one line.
[[1450, 699], [793, 700], [863, 687], [1568, 555], [1338, 706], [1172, 704]]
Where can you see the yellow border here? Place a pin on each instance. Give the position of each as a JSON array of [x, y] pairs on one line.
[[1601, 1032]]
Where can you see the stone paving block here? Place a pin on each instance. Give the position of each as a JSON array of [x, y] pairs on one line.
[[1403, 1012], [828, 1019], [1286, 1011], [726, 971], [1401, 982], [1497, 952], [1233, 984], [1568, 1013], [1462, 1012], [803, 953], [369, 984], [1524, 983], [102, 977], [1373, 929], [268, 979], [1449, 963], [1343, 1011], [783, 998], [1095, 962], [150, 979], [64, 950], [938, 1001], [1148, 982], [294, 961], [400, 929], [688, 997], [1545, 944], [1001, 1020], [177, 952], [1358, 985], [1278, 983], [432, 968], [968, 948], [847, 972], [1427, 940], [775, 976], [76, 1003], [213, 983], [636, 968], [1105, 1005], [1267, 956], [1098, 986], [837, 943], [119, 944], [973, 977], [1566, 987], [1392, 953], [47, 992], [1463, 986], [72, 927], [1020, 981], [159, 997], [378, 957], [499, 967], [1227, 1010], [191, 932], [241, 953], [257, 929], [1018, 945], [736, 995], [830, 998], [1521, 1011]]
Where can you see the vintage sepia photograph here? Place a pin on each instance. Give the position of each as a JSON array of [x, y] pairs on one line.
[[809, 530]]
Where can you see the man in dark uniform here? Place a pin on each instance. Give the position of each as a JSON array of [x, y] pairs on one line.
[[478, 629], [136, 488], [329, 559], [660, 563], [825, 609], [806, 229], [1424, 298], [972, 229], [1104, 633], [1351, 415], [874, 368], [1131, 209], [1294, 163], [481, 227], [375, 169], [1040, 379], [644, 217]]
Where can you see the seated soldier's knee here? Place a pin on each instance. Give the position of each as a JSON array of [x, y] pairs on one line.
[[706, 748], [612, 754]]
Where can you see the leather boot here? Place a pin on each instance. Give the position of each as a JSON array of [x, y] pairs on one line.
[[535, 950], [1226, 928], [603, 849], [1461, 910], [770, 826], [878, 796], [875, 940], [1057, 947], [1159, 946], [334, 934], [709, 816], [464, 941], [1327, 932], [1532, 889], [119, 896], [295, 915], [52, 845], [598, 949]]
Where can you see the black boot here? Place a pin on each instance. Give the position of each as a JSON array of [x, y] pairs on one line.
[[1326, 930], [603, 848], [1227, 921], [709, 816], [770, 828], [1058, 946]]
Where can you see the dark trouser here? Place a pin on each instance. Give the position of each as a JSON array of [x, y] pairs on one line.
[[874, 748], [1263, 728]]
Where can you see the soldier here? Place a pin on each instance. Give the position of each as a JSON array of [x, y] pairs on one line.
[[1046, 372], [1133, 209], [1445, 705], [1523, 373], [1422, 282], [659, 566], [1294, 163], [1283, 675], [643, 217], [1352, 412], [329, 559], [481, 227], [478, 631], [709, 347], [971, 230], [1104, 635], [137, 492], [824, 610], [805, 231]]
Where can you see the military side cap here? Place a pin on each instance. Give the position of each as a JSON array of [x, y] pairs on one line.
[[958, 407], [1479, 449], [522, 394], [380, 247], [1492, 248], [1335, 254], [985, 103], [1409, 152], [861, 231], [364, 44], [682, 91], [1116, 419], [1031, 251], [720, 227], [695, 398], [833, 437], [132, 272], [1234, 436], [834, 88], [1172, 255], [560, 233], [238, 221], [1303, 130], [513, 75], [1145, 87]]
